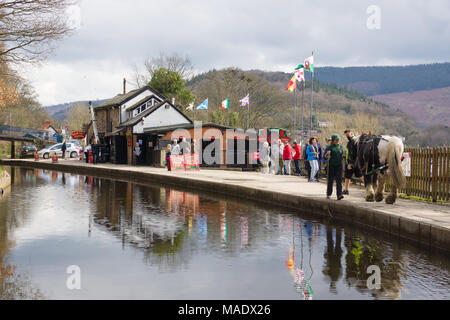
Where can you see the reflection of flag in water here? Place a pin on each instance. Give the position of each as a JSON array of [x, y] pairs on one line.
[[308, 292], [245, 101], [290, 261], [203, 226], [223, 229], [299, 276], [244, 231]]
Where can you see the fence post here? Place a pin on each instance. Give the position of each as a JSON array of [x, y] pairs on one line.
[[435, 168]]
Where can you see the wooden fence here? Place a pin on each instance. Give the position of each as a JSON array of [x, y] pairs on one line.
[[430, 174]]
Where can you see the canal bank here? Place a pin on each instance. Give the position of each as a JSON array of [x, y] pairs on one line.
[[425, 223]]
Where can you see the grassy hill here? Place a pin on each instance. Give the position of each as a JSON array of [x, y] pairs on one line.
[[339, 107], [428, 107], [60, 111]]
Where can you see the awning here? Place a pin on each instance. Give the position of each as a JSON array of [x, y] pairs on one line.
[[116, 132]]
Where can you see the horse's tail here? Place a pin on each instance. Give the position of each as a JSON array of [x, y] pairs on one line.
[[395, 162]]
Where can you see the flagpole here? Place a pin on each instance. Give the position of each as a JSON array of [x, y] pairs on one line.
[[312, 101], [295, 108], [303, 105], [248, 115]]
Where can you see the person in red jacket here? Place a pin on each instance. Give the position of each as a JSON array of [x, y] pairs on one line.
[[297, 157], [287, 158]]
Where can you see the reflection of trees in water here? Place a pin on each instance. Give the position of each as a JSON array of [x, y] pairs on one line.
[[13, 214], [362, 253]]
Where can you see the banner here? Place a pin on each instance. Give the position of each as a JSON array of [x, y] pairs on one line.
[[177, 163], [192, 162], [188, 162]]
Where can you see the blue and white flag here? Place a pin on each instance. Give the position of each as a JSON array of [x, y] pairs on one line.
[[245, 101], [203, 105]]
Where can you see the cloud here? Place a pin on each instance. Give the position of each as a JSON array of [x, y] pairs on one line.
[[114, 35]]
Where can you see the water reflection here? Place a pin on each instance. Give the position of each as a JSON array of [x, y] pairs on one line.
[[198, 240], [13, 285]]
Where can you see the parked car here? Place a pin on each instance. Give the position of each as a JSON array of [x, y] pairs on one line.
[[28, 151], [72, 150]]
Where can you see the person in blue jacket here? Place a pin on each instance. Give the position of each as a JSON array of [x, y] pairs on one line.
[[313, 157]]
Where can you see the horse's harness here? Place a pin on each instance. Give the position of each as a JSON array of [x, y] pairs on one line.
[[367, 157]]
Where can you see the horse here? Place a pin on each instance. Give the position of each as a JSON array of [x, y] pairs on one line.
[[374, 155]]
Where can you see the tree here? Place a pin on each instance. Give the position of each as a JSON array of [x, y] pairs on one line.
[[78, 116], [28, 28], [176, 63], [172, 85], [8, 80], [267, 102]]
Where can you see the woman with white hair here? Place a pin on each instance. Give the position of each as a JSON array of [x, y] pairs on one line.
[[264, 157]]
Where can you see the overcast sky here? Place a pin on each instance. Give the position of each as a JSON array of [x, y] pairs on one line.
[[115, 35]]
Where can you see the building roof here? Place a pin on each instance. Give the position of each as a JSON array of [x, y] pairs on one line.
[[139, 117], [183, 126], [134, 106], [122, 98]]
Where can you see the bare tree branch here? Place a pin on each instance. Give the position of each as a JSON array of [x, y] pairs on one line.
[[28, 28]]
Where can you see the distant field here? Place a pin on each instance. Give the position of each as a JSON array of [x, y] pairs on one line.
[[428, 107]]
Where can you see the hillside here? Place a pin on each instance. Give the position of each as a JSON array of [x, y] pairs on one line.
[[372, 81], [60, 111], [330, 102], [428, 107]]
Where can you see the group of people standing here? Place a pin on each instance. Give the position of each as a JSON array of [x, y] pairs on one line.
[[278, 158], [182, 148]]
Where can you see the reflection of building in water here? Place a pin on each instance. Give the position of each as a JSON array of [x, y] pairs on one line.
[[170, 225], [363, 253]]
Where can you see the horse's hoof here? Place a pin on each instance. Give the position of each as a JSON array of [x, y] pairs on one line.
[[379, 197], [390, 200], [370, 198]]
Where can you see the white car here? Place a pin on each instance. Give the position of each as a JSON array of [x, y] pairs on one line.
[[72, 151]]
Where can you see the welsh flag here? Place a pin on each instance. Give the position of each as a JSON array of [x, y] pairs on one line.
[[225, 104], [309, 64], [292, 85]]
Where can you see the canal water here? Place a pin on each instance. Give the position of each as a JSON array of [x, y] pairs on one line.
[[121, 240]]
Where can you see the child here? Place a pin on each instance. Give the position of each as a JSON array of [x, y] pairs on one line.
[[168, 154]]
